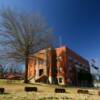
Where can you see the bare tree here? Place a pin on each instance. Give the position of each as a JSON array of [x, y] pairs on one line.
[[2, 68], [22, 35]]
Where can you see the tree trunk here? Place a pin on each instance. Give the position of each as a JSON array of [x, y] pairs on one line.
[[26, 70]]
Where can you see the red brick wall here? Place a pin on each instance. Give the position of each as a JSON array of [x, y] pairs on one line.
[[62, 62], [31, 68], [53, 64]]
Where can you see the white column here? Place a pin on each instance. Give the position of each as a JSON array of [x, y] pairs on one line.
[[37, 69]]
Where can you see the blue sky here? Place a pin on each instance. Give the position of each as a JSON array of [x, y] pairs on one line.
[[76, 21]]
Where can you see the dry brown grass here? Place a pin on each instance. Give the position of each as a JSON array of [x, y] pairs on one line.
[[15, 91]]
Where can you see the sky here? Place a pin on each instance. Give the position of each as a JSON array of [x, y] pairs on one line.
[[77, 22]]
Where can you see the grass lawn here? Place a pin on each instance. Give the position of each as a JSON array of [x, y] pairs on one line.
[[15, 91]]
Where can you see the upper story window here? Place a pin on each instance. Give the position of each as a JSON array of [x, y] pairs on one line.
[[59, 58], [70, 58], [70, 68], [40, 62], [75, 60], [60, 69], [78, 63]]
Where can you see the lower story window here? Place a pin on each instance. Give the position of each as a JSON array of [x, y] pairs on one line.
[[40, 72], [60, 80]]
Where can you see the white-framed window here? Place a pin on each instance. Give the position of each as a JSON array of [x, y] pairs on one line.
[[70, 68], [40, 72], [59, 58], [40, 62], [60, 80], [70, 58], [60, 69]]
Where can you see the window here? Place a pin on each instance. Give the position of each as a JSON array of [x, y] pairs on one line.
[[59, 58], [60, 80], [70, 68], [40, 62], [60, 69], [81, 65], [40, 72], [77, 63], [71, 58]]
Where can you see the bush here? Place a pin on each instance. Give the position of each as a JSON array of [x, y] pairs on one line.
[[59, 90], [83, 91], [31, 89], [1, 90]]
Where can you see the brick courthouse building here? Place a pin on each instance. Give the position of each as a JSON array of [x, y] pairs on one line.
[[59, 66]]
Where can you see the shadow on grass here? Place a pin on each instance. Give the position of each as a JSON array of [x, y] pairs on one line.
[[55, 98], [4, 93], [40, 84], [91, 94]]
